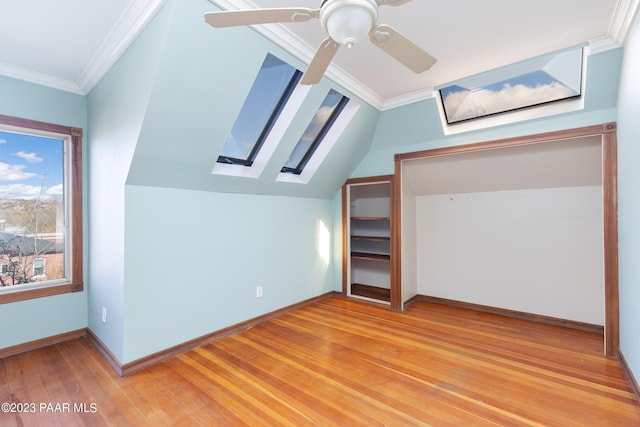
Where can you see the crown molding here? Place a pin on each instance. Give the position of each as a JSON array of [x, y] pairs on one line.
[[42, 79], [290, 42], [622, 20], [131, 23], [140, 12], [129, 26], [284, 38], [602, 44], [409, 98]]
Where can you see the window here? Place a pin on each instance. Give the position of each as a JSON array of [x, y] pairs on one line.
[[269, 94], [533, 83], [38, 267], [40, 209], [322, 121]]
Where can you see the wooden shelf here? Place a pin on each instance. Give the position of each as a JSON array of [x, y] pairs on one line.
[[368, 291], [370, 257], [370, 218], [372, 238]]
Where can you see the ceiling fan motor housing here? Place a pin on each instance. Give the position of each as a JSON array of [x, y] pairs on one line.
[[348, 21]]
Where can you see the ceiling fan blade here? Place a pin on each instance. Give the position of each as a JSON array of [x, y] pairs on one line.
[[233, 18], [401, 48], [392, 2], [320, 62]]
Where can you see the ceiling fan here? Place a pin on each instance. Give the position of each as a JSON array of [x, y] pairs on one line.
[[346, 22]]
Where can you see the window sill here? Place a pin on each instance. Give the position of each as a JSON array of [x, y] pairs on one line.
[[46, 291]]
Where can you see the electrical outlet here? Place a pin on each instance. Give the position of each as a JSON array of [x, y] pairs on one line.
[[259, 292], [104, 314]]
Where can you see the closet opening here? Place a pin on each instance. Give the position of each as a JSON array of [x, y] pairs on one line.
[[524, 225]]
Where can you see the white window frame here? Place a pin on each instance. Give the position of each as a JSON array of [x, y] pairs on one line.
[[510, 117]]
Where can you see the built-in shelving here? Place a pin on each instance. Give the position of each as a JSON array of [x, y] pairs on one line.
[[367, 219]]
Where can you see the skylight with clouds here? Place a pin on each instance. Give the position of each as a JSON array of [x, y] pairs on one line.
[[538, 81], [320, 124]]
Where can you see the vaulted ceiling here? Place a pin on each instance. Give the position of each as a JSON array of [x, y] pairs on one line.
[[70, 45]]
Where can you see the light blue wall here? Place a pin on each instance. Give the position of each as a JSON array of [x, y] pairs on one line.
[[43, 317], [35, 102], [169, 261], [201, 85], [417, 126], [629, 200], [194, 259], [116, 110]]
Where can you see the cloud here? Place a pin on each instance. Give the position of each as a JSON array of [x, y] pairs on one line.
[[472, 104], [323, 114], [319, 120], [3, 141], [29, 192], [13, 172], [29, 157], [54, 192]]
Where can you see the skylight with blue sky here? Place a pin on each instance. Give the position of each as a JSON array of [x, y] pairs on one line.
[[271, 105], [268, 95], [326, 115], [542, 80]]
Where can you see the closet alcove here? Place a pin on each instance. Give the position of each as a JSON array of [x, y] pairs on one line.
[[526, 225]]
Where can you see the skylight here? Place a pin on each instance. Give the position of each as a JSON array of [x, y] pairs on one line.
[[312, 137], [266, 118], [269, 94], [539, 81]]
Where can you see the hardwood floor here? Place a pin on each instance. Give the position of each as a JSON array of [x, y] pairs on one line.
[[339, 362]]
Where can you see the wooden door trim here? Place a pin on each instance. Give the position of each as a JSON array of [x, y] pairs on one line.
[[610, 212], [395, 286]]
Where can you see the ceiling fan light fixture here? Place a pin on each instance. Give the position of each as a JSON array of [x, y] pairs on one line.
[[348, 21]]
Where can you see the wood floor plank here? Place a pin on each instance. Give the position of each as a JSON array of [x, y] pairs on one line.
[[268, 385], [341, 362], [384, 347], [365, 378]]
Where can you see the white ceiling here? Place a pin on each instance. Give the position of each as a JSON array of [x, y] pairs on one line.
[[71, 44], [68, 44]]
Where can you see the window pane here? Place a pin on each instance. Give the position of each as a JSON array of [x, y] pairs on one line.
[[32, 233], [312, 136], [269, 93], [38, 266]]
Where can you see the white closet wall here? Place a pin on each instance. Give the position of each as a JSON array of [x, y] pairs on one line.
[[535, 250]]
